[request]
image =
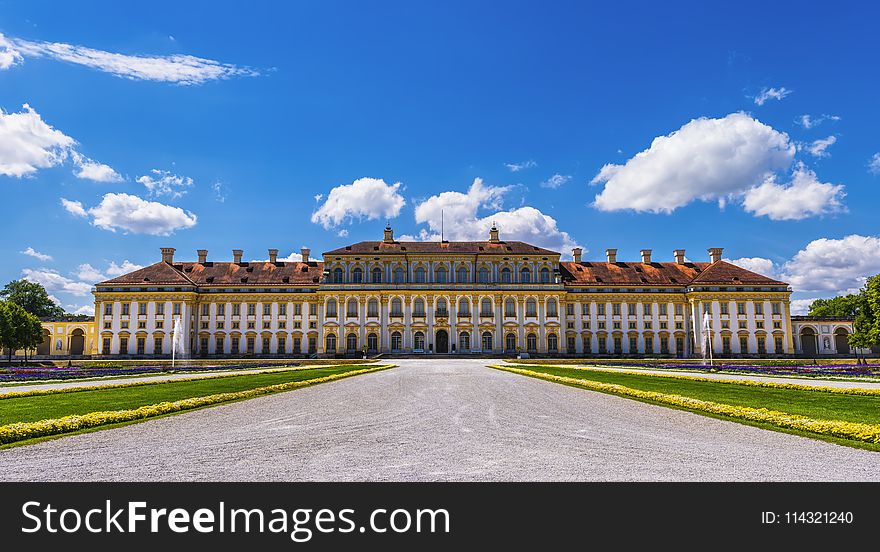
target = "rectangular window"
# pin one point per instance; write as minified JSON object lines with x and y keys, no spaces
{"x":218,"y":346}
{"x":175,"y":309}
{"x":267,"y":325}
{"x":633,"y":345}
{"x":743,"y":325}
{"x":777,"y":308}
{"x":646,"y":309}
{"x":762,"y":346}
{"x":779,"y":347}
{"x":664,"y":325}
{"x":108,"y":325}
{"x":142,"y":309}
{"x":632,"y":325}
{"x":297,"y":309}
{"x":663,"y":309}
{"x":157,"y":345}
{"x":725,"y":344}
{"x":236,"y":325}
{"x":203,"y":345}
{"x":615,"y":325}
{"x":123,"y":345}
{"x":267,"y":347}
{"x":282,"y":325}
{"x":267,"y":310}
{"x":221,"y":309}
{"x":615,"y":309}
{"x":252,"y":309}
{"x":160,"y":309}
{"x":160,"y":324}
{"x":743,"y":345}
{"x":569,"y":309}
{"x":707,"y":308}
{"x":725,"y":324}
{"x":313,"y":309}
{"x":600,"y":309}
{"x":603,"y":347}
{"x":297,"y":345}
{"x":679,"y":325}
{"x":282,"y":309}
{"x":141,"y":345}
{"x":759,"y":309}
{"x":618,"y":345}
{"x":220,"y":325}
{"x":725,"y":307}
{"x":282,"y":345}
{"x":777,"y":325}
{"x":125,"y":307}
{"x":587,"y":325}
{"x":206,"y":310}
{"x":313,"y":345}
{"x":313,"y":325}
{"x":125,"y":324}
{"x":601,"y":324}
{"x":759,"y":324}
{"x":236,"y":309}
{"x":649,"y":325}
{"x":740,"y":308}
{"x":142,"y":325}
{"x":251,"y":325}
{"x":235,"y":348}
{"x":585,"y":309}
{"x":664,"y":345}
{"x":588,"y":345}
{"x":649,"y":345}
{"x":108,"y":309}
{"x":297,"y":325}
{"x":251,"y":344}
{"x":679,"y":310}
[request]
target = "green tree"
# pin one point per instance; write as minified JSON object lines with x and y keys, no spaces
{"x":19,"y":329}
{"x":866,"y":332}
{"x":843,"y":305}
{"x":32,"y":297}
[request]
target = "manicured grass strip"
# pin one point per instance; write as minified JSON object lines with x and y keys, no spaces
{"x":863,"y":391}
{"x":20,"y":431}
{"x":869,"y":433}
{"x":808,"y":402}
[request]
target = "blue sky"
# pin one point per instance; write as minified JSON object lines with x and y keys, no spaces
{"x":311,"y":124}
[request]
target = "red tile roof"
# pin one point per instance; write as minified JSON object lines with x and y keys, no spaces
{"x":222,"y":273}
{"x":722,"y":272}
{"x":455,"y":247}
{"x":665,"y":274}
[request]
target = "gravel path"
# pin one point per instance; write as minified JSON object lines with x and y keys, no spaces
{"x":438,"y":420}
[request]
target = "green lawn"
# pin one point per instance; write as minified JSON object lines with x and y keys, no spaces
{"x":812,"y":404}
{"x":31,"y":409}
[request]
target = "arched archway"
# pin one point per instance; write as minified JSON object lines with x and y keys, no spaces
{"x":510,"y":342}
{"x":330,"y":343}
{"x":841,"y":341}
{"x":809,"y":342}
{"x":45,"y":347}
{"x":442,"y":341}
{"x":77,"y":342}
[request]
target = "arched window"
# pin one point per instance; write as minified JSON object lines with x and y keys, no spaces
{"x":373,"y":308}
{"x":484,"y":275}
{"x":462,"y":276}
{"x":396,"y":307}
{"x":357,"y":275}
{"x":419,"y":341}
{"x":398,"y":275}
{"x":330,"y":343}
{"x":486,"y":307}
{"x":488,"y":343}
{"x":545,"y":275}
{"x":337,"y":275}
{"x":510,"y":342}
{"x":331,"y":308}
{"x":464,"y":341}
{"x":525,"y":275}
{"x":396,"y":342}
{"x":372,"y":343}
{"x":464,"y":307}
{"x":377,"y":275}
{"x":419,"y":307}
{"x":351,"y":343}
{"x":420,"y":275}
{"x":531,"y":307}
{"x":531,"y":343}
{"x":505,"y":275}
{"x":440,"y":275}
{"x":551,"y":308}
{"x":510,"y":307}
{"x":441,"y":307}
{"x":552,"y":343}
{"x":351,"y":309}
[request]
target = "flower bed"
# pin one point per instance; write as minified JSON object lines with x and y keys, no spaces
{"x":11,"y":433}
{"x":835,"y":428}
{"x":25,"y":374}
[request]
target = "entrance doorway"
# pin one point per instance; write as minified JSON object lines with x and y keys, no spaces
{"x":77,"y":342}
{"x":809,"y":342}
{"x":442,"y":341}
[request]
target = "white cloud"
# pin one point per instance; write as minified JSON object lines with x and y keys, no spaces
{"x":165,"y":183}
{"x":808,"y":122}
{"x":874,"y":164}
{"x":28,"y":144}
{"x":90,"y":273}
{"x":758,"y":265}
{"x":127,"y":266}
{"x":516,"y":167}
{"x":9,"y":56}
{"x":31,"y":252}
{"x":801,"y":306}
{"x":462,"y":220}
{"x":221,"y":192}
{"x":75,"y":208}
{"x":369,"y":198}
{"x":555,"y":181}
{"x":819,"y":148}
{"x":805,"y":196}
{"x":88,"y":310}
{"x":771,"y":94}
{"x":706,"y":159}
{"x":177,"y":68}
{"x":342,"y":233}
{"x":838,"y":265}
{"x":292,"y":258}
{"x":90,"y":169}
{"x":55,"y":282}
{"x":318,"y":198}
{"x":130,"y":213}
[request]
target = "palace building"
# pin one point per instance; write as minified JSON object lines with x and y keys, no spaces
{"x":446,"y":297}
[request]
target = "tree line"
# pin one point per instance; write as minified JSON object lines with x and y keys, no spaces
{"x":863,"y":307}
{"x":22,"y":304}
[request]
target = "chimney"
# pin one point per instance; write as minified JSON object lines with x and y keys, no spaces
{"x":679,"y":256}
{"x":304,"y":252}
{"x":493,"y":234}
{"x":715,"y":254}
{"x":389,"y":235}
{"x":612,"y":255}
{"x":646,"y":256}
{"x":273,"y":256}
{"x":203,"y":255}
{"x":576,"y":253}
{"x":168,"y":255}
{"x":236,"y":256}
